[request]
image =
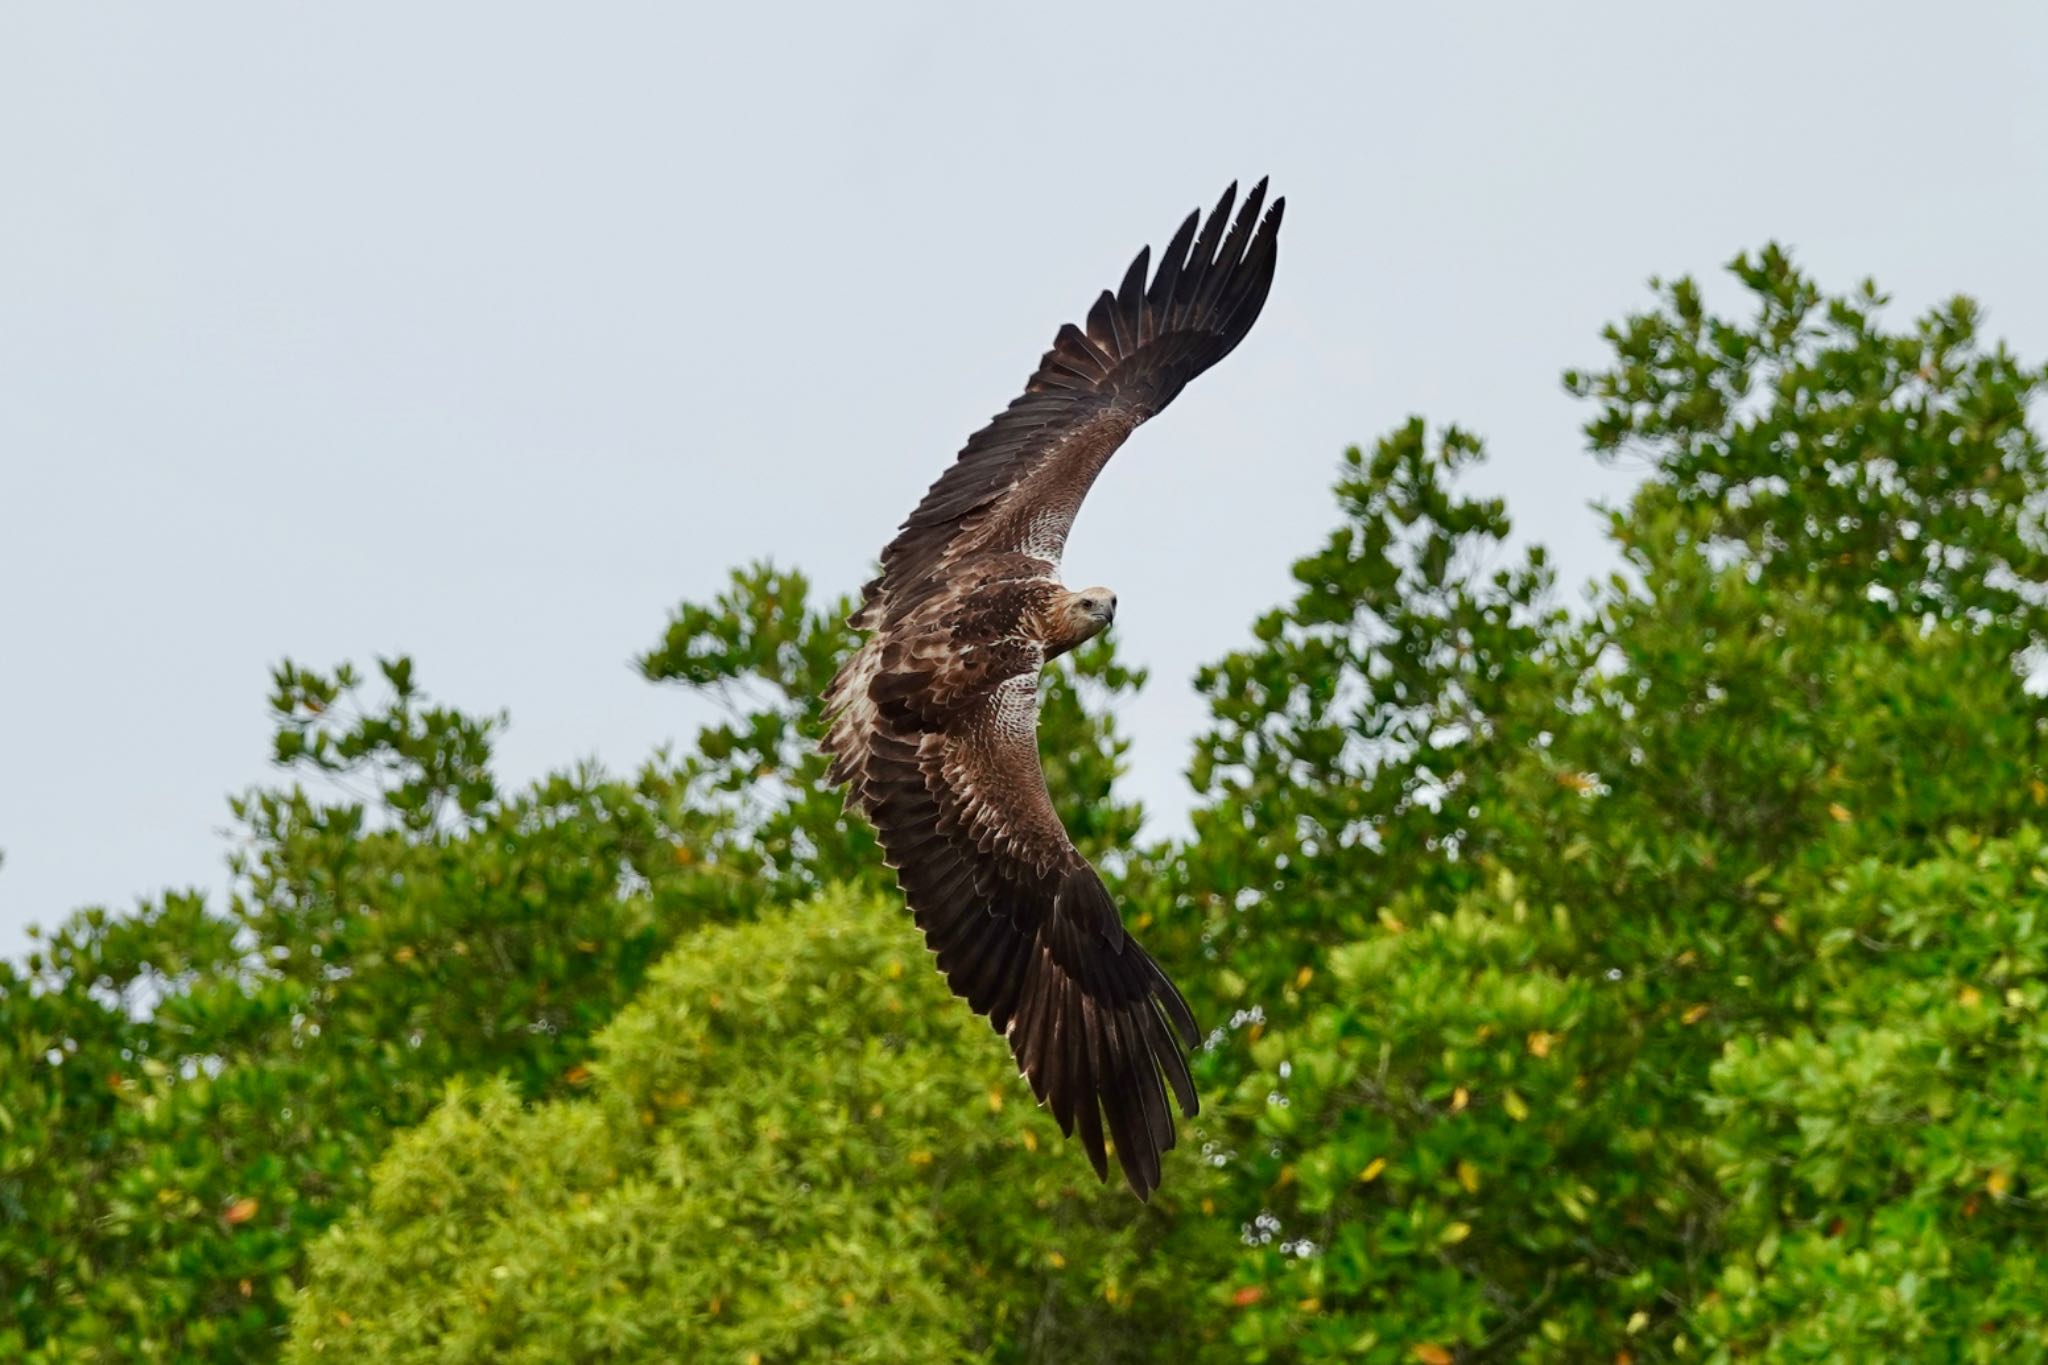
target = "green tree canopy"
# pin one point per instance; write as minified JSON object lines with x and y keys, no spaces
{"x":795,"y":1146}
{"x":1542,"y":886}
{"x":1658,"y":980}
{"x":192,"y":1094}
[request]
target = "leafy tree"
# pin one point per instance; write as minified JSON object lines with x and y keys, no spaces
{"x":793,"y":1148}
{"x":1896,"y":469}
{"x":201,"y":1093}
{"x":1654,"y":982}
{"x":1883,"y":1157}
{"x":192,"y":1095}
{"x":1483,"y":1118}
{"x":1356,"y":742}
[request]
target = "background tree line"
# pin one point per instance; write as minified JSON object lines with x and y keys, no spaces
{"x":1659,"y":980}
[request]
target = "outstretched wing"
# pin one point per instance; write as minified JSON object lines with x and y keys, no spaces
{"x":1019,"y":481}
{"x":1024,"y":928}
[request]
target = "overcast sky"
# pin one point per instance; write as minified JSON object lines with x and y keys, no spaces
{"x":488,"y":332}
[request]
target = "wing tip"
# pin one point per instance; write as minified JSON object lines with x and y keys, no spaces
{"x":1100,"y":1042}
{"x":1203,"y":296}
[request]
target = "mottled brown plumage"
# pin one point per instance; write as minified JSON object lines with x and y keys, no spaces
{"x":933,"y":721}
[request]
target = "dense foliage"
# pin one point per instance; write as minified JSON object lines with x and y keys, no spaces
{"x":188,"y":1097}
{"x":791,"y":1151}
{"x":1662,"y":980}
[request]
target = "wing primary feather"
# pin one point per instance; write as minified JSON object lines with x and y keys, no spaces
{"x":1202,"y":263}
{"x":1242,"y":226}
{"x":1173,"y":1003}
{"x":1079,"y":354}
{"x":1058,"y":1083}
{"x":1088,"y":1087}
{"x":981,"y":973}
{"x":1031,"y":1038}
{"x":1121,"y":1098}
{"x":1175,"y":1063}
{"x":1172,"y":261}
{"x":1101,"y":359}
{"x":1102,"y":324}
{"x":1009,"y":979}
{"x":1257,"y":275}
{"x":1130,"y":304}
{"x":1230,"y":255}
{"x":1027,"y":995}
{"x":1150,"y":1058}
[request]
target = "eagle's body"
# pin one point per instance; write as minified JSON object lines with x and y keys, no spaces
{"x":933,"y":721}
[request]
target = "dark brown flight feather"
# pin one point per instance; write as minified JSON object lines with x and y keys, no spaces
{"x":932,"y":724}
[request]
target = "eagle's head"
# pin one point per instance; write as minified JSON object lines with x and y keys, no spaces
{"x":1097,"y":605}
{"x":1078,"y":618}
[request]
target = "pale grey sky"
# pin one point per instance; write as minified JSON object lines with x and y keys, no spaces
{"x":488,"y":331}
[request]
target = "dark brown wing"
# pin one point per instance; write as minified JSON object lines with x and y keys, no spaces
{"x":1024,"y":928}
{"x":1019,"y":481}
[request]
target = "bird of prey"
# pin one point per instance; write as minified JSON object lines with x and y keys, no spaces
{"x":932,"y":723}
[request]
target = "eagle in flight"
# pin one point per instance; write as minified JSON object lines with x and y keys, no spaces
{"x":932,"y":724}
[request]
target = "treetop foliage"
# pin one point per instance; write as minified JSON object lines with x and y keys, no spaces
{"x":1658,"y":981}
{"x":787,"y":1146}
